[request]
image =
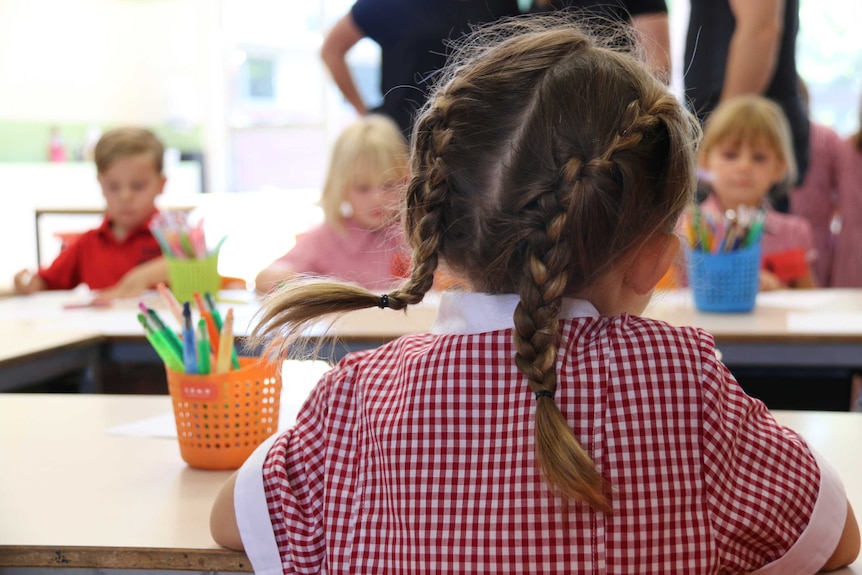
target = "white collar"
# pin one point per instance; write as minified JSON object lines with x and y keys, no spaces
{"x":469,"y":312}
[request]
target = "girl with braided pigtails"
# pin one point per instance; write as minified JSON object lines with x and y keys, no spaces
{"x":542,"y":427}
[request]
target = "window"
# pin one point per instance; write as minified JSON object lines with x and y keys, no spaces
{"x":282,"y":109}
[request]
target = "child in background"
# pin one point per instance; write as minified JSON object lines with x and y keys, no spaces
{"x":121,"y":257}
{"x":847,"y":267}
{"x":542,"y":427}
{"x":746,"y":152}
{"x":817,"y":198}
{"x":359,"y":240}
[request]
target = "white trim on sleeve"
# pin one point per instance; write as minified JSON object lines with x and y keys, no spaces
{"x":821,"y":535}
{"x":252,"y":513}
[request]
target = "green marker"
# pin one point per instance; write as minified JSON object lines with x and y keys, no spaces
{"x":160,"y":328}
{"x":161,"y":346}
{"x":203,"y":348}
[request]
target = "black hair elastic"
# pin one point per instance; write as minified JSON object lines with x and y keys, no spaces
{"x":544,"y":393}
{"x":384,"y":301}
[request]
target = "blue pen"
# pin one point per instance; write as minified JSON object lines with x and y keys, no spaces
{"x":189,"y":349}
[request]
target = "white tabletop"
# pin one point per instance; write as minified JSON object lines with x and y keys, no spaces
{"x":73,"y":494}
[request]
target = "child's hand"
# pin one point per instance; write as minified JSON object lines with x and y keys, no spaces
{"x":119,"y":291}
{"x":135,"y":282}
{"x":27,"y":283}
{"x":769,"y":281}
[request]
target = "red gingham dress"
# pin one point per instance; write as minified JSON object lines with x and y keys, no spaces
{"x":418,"y":458}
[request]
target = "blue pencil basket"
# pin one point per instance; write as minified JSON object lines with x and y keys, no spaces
{"x":725,"y":281}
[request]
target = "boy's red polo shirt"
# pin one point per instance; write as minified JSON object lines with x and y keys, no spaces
{"x":99,"y":260}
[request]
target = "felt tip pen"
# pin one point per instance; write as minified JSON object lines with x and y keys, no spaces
{"x":225,"y":348}
{"x":160,"y":327}
{"x":190,"y":351}
{"x":212,"y":327}
{"x":203,"y":348}
{"x":200,"y":302}
{"x":171,"y":302}
{"x":162,"y":347}
{"x":234,"y":358}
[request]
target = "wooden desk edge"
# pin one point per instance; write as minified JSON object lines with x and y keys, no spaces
{"x":124,"y":558}
{"x":87,"y":343}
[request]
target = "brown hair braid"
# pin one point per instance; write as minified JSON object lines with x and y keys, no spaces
{"x":542,"y":159}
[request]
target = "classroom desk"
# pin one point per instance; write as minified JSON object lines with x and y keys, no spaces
{"x":32,"y":323}
{"x":800,"y":328}
{"x":791,"y":328}
{"x":28,"y":355}
{"x":74,"y":496}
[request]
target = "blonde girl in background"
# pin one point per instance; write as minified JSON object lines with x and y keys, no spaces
{"x":542,"y":426}
{"x":360,"y":240}
{"x":747,"y":153}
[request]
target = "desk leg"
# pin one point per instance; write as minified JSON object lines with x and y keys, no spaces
{"x":856,"y":392}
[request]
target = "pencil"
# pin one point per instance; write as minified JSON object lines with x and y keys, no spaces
{"x":218,"y":322}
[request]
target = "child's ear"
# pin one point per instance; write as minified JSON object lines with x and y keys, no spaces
{"x":162,"y":183}
{"x":651,"y":262}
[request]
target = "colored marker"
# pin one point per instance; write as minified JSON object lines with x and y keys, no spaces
{"x":219,"y":325}
{"x":212,"y":327}
{"x":203,"y":348}
{"x":163,"y":330}
{"x":200,"y":301}
{"x":162,"y":347}
{"x":189,"y":349}
{"x":171,"y":301}
{"x":225,"y":348}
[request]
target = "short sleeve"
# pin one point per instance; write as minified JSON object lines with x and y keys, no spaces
{"x":773,"y":506}
{"x":65,"y":271}
{"x":279,"y":493}
{"x":380,"y":20}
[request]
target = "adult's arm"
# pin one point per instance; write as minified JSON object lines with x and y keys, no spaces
{"x":653,"y":32}
{"x":343,"y":36}
{"x":753,"y":51}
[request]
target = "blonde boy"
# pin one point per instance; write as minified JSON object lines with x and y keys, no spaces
{"x":120,"y":257}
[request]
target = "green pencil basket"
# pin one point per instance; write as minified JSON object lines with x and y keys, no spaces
{"x":188,"y":276}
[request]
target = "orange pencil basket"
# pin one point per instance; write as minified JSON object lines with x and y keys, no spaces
{"x":222,"y":417}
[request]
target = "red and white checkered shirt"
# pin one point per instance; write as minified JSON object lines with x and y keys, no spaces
{"x":418,"y":458}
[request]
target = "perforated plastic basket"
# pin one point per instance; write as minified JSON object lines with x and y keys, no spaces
{"x":726,"y":281}
{"x":191,"y":275}
{"x":221,"y":418}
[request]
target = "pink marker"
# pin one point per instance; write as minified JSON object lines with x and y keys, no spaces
{"x":171,"y":301}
